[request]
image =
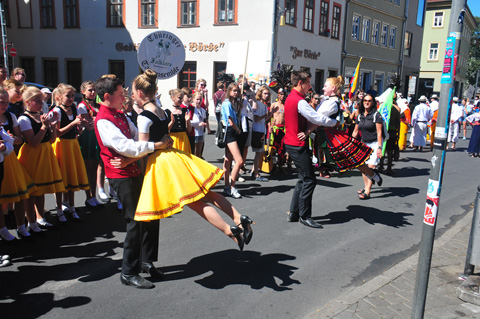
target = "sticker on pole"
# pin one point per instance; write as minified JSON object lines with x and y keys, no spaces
{"x":448,"y":62}
{"x":162,"y":52}
{"x":431,"y":208}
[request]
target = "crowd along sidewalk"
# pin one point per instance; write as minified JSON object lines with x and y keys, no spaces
{"x":390,"y":295}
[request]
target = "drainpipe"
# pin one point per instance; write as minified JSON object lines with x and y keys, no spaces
{"x":402,"y":48}
{"x":274,"y":38}
{"x":344,"y":51}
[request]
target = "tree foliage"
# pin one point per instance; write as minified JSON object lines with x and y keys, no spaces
{"x":225,"y":78}
{"x":474,"y":55}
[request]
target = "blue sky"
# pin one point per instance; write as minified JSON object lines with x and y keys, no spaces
{"x":474,"y":6}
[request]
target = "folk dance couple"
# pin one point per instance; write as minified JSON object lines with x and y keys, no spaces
{"x":300,"y":120}
{"x":172,"y":179}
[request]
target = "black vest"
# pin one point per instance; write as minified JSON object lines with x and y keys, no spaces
{"x":72,"y":134}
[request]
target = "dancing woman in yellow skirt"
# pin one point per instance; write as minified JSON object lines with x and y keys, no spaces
{"x":67,"y":150}
{"x":179,"y":123}
{"x":175,"y":178}
{"x":36,"y":155}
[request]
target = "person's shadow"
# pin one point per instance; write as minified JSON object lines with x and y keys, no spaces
{"x":370,"y":215}
{"x":231,"y":267}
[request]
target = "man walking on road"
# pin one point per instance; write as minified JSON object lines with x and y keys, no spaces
{"x":297,"y":115}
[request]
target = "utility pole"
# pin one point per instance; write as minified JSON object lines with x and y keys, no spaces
{"x":457,"y":17}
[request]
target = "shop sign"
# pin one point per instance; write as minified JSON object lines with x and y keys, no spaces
{"x":305,"y":53}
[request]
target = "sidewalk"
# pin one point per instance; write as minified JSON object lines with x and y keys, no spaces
{"x":390,"y":294}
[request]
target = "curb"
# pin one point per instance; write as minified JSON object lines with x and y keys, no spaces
{"x":355,"y":294}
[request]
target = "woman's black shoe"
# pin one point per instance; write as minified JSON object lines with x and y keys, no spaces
{"x":246,"y":223}
{"x":237,"y":234}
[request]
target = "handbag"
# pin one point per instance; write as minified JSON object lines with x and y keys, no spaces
{"x":257,"y":139}
{"x":220,"y":136}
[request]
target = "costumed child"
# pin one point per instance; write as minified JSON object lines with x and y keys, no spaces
{"x":37,"y":156}
{"x":180,"y":122}
{"x":88,"y":142}
{"x":17,"y":185}
{"x":67,"y":150}
{"x":187,"y":104}
{"x":198,"y":123}
{"x":175,"y":178}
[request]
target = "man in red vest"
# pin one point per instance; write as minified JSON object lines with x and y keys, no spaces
{"x":297,"y":115}
{"x":119,"y":152}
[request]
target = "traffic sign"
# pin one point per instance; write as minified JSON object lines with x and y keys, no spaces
{"x":13,"y":52}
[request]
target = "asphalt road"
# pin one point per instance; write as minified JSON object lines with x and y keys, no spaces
{"x":287,"y":271}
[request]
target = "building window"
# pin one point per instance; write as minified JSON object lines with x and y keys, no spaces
{"x":438,"y":19}
{"x":337,"y":11}
{"x":393,"y":37}
{"x":188,"y":75}
{"x":366,"y":30}
{"x":50,"y":72}
{"x":290,"y":12}
{"x":7,"y":13}
{"x":115,"y":13}
{"x":324,"y":7}
{"x":407,"y":51}
{"x":396,"y":2}
{"x":188,"y":12}
{"x":308,"y":21}
{"x":47,"y":14}
{"x":433,"y":52}
{"x":384,"y":35}
{"x":24,"y":13}
{"x":148,"y":13}
{"x":226,"y":11}
{"x":375,"y":32}
{"x":71,"y":19}
{"x":356,"y":27}
{"x":28,"y":64}
{"x":117,"y":67}
{"x":74,"y":73}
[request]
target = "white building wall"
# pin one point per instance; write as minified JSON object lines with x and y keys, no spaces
{"x":95,"y":44}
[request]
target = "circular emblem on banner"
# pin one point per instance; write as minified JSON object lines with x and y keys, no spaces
{"x":162,"y":52}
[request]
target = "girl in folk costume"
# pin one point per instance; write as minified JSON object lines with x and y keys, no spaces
{"x":37,"y":155}
{"x":187,"y":104}
{"x":347,"y":152}
{"x":88,"y":143}
{"x":198,"y":122}
{"x":174,"y":178}
{"x":67,"y":150}
{"x":180,"y":122}
{"x":16,"y":184}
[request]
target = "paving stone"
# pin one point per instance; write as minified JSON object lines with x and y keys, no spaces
{"x":402,"y":309}
{"x":367,"y":314}
{"x":401,"y":285}
{"x":377,"y":301}
{"x":386,"y":312}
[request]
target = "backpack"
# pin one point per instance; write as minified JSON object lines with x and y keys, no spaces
{"x":220,"y":136}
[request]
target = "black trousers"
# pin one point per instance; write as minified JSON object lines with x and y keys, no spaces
{"x":301,"y":203}
{"x":141,"y":241}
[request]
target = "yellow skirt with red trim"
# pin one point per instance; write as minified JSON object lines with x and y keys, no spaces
{"x":181,"y":141}
{"x":72,"y":166}
{"x":172,"y":180}
{"x":42,"y":166}
{"x":16,"y":183}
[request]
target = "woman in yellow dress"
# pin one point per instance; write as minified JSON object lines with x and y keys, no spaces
{"x":16,"y":185}
{"x":179,"y":123}
{"x":67,"y":149}
{"x":175,"y":178}
{"x":36,"y":155}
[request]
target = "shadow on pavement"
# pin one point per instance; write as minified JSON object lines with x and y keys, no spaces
{"x":232,"y":267}
{"x":370,"y":215}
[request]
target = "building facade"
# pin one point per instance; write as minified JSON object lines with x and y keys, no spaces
{"x":72,"y":41}
{"x":412,"y":46}
{"x":437,"y":20}
{"x":374,"y":32}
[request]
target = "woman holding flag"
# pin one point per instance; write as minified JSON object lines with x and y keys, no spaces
{"x":347,"y":152}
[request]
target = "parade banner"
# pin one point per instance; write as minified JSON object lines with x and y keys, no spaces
{"x":162,"y":52}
